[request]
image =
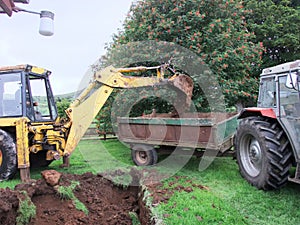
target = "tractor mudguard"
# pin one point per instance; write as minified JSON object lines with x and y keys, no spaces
{"x":255,"y":111}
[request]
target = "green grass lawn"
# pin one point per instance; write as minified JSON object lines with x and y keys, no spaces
{"x":229,"y":199}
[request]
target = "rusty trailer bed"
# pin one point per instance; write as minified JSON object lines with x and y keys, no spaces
{"x":194,"y":130}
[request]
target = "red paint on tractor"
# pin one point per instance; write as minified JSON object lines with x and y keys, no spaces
{"x":266,"y":112}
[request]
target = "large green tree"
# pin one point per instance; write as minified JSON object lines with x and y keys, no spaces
{"x":276,"y":24}
{"x":215,"y":30}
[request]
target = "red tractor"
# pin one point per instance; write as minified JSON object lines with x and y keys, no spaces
{"x":267,"y":141}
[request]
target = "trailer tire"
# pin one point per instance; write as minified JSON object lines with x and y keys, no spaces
{"x":144,"y":155}
{"x":263,"y":153}
{"x":8,"y":156}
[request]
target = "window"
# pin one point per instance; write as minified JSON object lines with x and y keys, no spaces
{"x":289,"y":99}
{"x":41,"y":103}
{"x":267,"y":93}
{"x":10,"y":95}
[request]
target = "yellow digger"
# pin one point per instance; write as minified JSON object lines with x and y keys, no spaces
{"x":32,"y":134}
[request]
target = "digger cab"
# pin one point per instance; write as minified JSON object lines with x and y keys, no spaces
{"x":27,"y":112}
{"x":25,"y":91}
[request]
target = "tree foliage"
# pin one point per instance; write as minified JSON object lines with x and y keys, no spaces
{"x":276,"y":25}
{"x":62,"y":104}
{"x":234,"y":39}
{"x":216,"y":30}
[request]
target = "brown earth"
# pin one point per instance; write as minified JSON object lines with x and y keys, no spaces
{"x":106,"y":202}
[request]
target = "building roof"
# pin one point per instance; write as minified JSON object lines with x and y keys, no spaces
{"x":7,"y":6}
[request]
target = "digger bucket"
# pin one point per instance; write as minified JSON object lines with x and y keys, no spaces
{"x":182,"y":82}
{"x":184,"y":88}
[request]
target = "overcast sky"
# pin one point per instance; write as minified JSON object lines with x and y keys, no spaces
{"x":82,"y":28}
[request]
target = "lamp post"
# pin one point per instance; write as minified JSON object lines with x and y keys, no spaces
{"x":46,"y":21}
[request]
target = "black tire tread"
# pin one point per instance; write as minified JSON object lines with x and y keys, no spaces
{"x":8,"y":168}
{"x":38,"y":159}
{"x":151,"y":154}
{"x":277,"y":149}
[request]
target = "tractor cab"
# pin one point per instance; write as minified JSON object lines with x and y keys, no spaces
{"x":25,"y":91}
{"x":280,"y":91}
{"x":267,"y":139}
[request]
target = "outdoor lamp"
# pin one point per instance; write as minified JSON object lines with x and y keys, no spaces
{"x":46,"y":21}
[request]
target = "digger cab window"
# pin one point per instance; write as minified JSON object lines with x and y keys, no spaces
{"x":40,"y":104}
{"x":10,"y":95}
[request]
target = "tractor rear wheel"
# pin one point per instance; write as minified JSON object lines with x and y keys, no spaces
{"x":263,"y":153}
{"x":144,"y":155}
{"x":8,"y":156}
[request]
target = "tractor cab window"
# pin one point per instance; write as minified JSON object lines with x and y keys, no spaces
{"x":10,"y":95}
{"x":289,"y":101}
{"x":267,"y":93}
{"x":293,"y":80}
{"x":289,"y":97}
{"x":39,"y":100}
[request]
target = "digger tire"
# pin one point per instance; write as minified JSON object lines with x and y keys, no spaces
{"x":8,"y":156}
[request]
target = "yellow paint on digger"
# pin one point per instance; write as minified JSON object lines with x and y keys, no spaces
{"x":0,"y":157}
{"x":111,"y":78}
{"x":22,"y":143}
{"x":57,"y":137}
{"x":20,"y":125}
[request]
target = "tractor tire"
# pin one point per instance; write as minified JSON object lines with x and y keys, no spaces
{"x":144,"y":155}
{"x":263,"y":153}
{"x":8,"y":156}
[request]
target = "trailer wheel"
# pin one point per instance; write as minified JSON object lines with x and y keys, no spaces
{"x":143,"y":155}
{"x":263,"y":153}
{"x":8,"y":156}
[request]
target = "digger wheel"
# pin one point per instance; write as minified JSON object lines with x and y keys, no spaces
{"x":143,"y":155}
{"x":8,"y":156}
{"x":263,"y":153}
{"x":38,"y":159}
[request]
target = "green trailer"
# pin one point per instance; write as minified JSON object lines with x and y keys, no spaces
{"x":162,"y":134}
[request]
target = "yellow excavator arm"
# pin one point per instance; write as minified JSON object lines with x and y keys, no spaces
{"x":41,"y":137}
{"x":85,"y":108}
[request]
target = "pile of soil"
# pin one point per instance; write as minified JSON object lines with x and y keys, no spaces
{"x":106,"y":202}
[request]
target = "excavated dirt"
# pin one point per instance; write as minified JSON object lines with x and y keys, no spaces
{"x":106,"y":202}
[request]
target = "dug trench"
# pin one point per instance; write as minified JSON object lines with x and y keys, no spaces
{"x":95,"y":200}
